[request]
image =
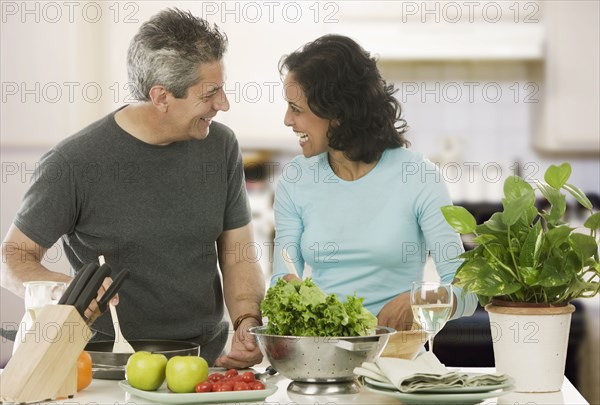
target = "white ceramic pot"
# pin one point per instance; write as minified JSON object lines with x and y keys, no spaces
{"x":530,"y":344}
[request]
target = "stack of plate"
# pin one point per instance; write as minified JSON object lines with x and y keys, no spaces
{"x":457,"y":395}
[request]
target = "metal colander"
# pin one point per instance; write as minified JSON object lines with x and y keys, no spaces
{"x":320,"y":359}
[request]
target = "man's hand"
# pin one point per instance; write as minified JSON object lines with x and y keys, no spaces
{"x":397,"y":313}
{"x":94,"y":304}
{"x":244,"y":289}
{"x":244,"y":350}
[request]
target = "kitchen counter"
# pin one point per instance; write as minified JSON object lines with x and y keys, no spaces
{"x":102,"y":392}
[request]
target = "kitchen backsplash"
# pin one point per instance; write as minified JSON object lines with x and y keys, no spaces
{"x":476,"y":120}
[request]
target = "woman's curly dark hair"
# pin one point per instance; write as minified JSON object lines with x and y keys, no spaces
{"x":342,"y":83}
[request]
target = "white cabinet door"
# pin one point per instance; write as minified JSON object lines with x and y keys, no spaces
{"x":569,"y":119}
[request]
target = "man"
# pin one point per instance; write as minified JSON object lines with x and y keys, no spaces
{"x":156,"y":187}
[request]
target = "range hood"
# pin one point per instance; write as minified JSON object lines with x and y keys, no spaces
{"x":397,"y":41}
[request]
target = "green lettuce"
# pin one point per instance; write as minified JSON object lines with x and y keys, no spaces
{"x":302,"y":309}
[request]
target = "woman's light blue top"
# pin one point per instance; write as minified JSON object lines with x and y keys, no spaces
{"x":370,"y":236}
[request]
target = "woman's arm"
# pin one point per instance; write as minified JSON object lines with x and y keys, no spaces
{"x":288,"y":231}
{"x":441,"y":241}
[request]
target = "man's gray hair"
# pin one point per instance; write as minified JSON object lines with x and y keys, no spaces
{"x":167,"y":51}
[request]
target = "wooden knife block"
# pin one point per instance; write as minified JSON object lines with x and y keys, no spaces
{"x":44,"y":367}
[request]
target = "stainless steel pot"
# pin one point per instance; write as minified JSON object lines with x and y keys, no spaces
{"x":107,"y":365}
{"x":320,"y":359}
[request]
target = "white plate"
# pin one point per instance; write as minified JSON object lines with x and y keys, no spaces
{"x":454,"y":390}
{"x":425,"y":399}
{"x":164,"y":396}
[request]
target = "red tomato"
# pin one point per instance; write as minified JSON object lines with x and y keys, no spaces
{"x":235,"y":378}
{"x":228,"y":386}
{"x":232,"y":372}
{"x":248,"y":376}
{"x":257,"y":385}
{"x":223,"y":388}
{"x":214,"y":377}
{"x":204,"y":387}
{"x":241,"y":386}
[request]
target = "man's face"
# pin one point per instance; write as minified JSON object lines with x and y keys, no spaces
{"x":191,"y":116}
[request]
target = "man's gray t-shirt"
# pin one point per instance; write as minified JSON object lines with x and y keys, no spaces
{"x":155,"y":210}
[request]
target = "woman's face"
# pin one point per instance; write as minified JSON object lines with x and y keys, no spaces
{"x":310,"y":129}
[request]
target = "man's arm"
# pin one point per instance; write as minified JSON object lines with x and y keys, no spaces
{"x":243,"y":289}
{"x":21,"y":261}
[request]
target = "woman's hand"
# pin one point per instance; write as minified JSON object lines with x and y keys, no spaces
{"x":290,"y":277}
{"x":397,"y":313}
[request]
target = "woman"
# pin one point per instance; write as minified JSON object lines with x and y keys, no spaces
{"x":359,"y":208}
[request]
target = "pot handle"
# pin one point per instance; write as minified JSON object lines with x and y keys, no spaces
{"x":356,"y":347}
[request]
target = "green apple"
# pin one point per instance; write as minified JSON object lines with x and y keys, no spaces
{"x":185,"y":372}
{"x":145,"y":370}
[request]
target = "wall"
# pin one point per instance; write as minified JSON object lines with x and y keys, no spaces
{"x":475,"y":118}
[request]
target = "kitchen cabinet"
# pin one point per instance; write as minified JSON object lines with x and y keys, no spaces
{"x":567,"y":112}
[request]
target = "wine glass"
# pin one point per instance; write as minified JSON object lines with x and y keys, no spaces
{"x":41,"y":293}
{"x":37,"y":295}
{"x":431,"y":303}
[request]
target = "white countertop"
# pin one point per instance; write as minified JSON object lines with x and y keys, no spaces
{"x":102,"y":392}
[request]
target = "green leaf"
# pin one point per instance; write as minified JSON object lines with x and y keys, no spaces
{"x":556,"y":199}
{"x":484,"y":238}
{"x":496,"y":251}
{"x":539,"y":244}
{"x":580,"y":288}
{"x":558,"y":210}
{"x":529,"y":275}
{"x":579,"y":196}
{"x":572,"y":262}
{"x":529,"y":215}
{"x":593,"y":222}
{"x":495,"y":223}
{"x":553,"y":274}
{"x":468,"y":254}
{"x":584,"y":245}
{"x":513,"y":209}
{"x":465,"y":277}
{"x":551,"y":194}
{"x":557,"y":176}
{"x":515,"y":187}
{"x":558,"y":235}
{"x":593,"y":264}
{"x":490,"y":282}
{"x":469,"y":270}
{"x":532,"y":246}
{"x":303,"y":309}
{"x":459,"y":218}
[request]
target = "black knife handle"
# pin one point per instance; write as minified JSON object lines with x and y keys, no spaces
{"x":108,"y":294}
{"x":112,"y":289}
{"x":77,"y":284}
{"x":91,"y":289}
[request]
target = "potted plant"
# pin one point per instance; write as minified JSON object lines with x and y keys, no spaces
{"x":525,"y":269}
